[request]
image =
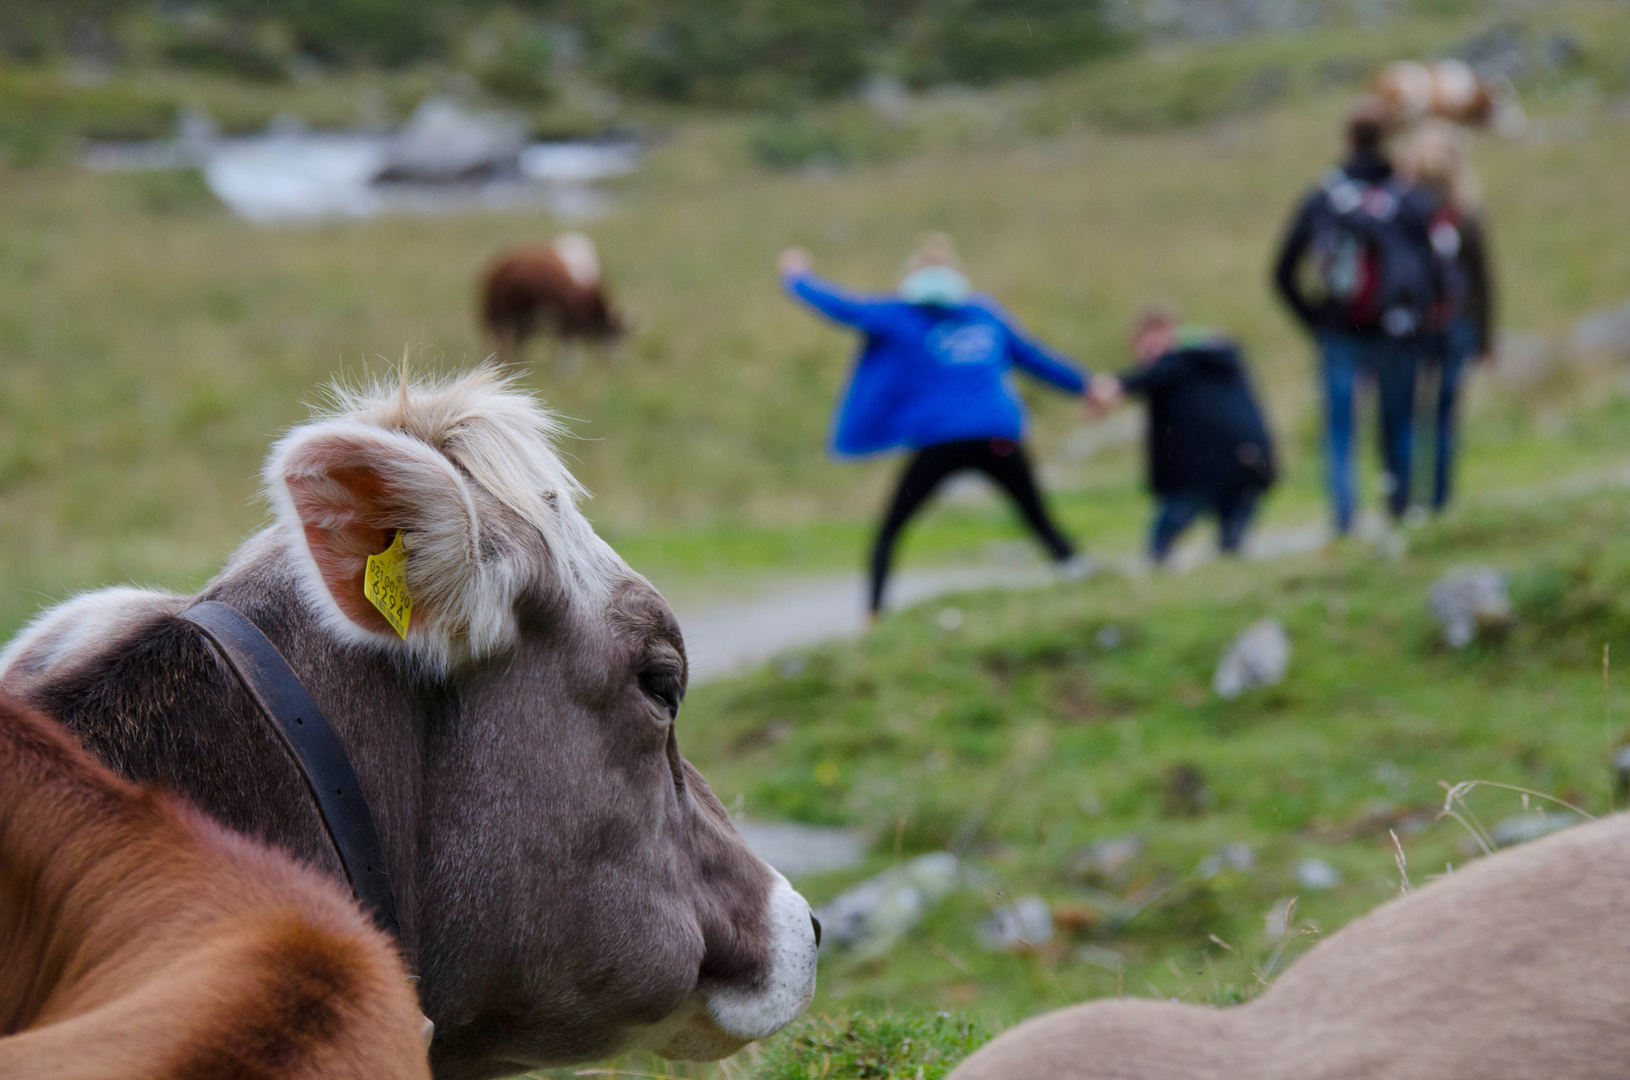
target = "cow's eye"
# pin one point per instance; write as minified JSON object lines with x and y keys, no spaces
{"x":665,"y":687}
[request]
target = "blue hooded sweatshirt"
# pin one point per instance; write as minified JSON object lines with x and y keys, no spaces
{"x":929,"y":374}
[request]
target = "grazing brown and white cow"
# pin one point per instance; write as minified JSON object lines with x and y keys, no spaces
{"x":567,"y":886}
{"x":139,"y":940}
{"x":1410,"y":91}
{"x":1516,"y":967}
{"x":556,"y":289}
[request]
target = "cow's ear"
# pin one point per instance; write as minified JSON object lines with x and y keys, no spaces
{"x":346,"y":490}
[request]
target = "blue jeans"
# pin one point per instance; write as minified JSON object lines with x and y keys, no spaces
{"x":1391,"y":363}
{"x":1450,"y":359}
{"x":1233,"y":507}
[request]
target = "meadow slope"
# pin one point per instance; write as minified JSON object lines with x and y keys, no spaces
{"x":151,"y":346}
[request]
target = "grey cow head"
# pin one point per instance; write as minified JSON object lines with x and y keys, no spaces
{"x":571,"y":887}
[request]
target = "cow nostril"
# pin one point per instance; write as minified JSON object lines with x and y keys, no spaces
{"x":816,"y":923}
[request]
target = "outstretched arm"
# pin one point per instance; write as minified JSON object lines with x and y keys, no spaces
{"x":1040,"y":361}
{"x":863,"y":314}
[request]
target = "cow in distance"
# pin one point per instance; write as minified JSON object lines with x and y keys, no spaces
{"x":557,"y":291}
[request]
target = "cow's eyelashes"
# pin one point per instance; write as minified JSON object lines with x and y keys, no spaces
{"x":665,"y":688}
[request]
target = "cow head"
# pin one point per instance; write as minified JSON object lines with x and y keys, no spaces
{"x":583,"y":889}
{"x":570,"y":886}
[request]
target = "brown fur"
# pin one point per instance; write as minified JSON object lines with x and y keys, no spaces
{"x":141,"y":941}
{"x":1447,"y":89}
{"x":1513,"y":968}
{"x":531,"y":289}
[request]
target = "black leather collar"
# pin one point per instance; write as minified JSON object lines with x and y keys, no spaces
{"x":315,"y":749}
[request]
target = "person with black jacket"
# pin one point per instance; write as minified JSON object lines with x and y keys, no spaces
{"x":1351,"y":342}
{"x":1209,"y":450}
{"x":1434,"y":159}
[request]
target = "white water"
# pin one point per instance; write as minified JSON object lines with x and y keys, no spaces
{"x":297,"y":176}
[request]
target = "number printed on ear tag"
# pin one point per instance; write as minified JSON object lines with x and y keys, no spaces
{"x":384,"y":583}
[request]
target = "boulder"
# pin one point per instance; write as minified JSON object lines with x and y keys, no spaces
{"x":1521,"y":828}
{"x":1604,"y":334}
{"x":1107,"y":858}
{"x":1470,"y":603}
{"x":1184,"y":792}
{"x":1259,"y":656}
{"x":1317,"y":874}
{"x":871,"y":917}
{"x":443,"y":142}
{"x":1023,"y":924}
{"x":1621,"y":771}
{"x":1235,"y":856}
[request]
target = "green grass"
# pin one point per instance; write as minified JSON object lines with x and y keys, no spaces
{"x":1028,"y":732}
{"x":870,"y":1045}
{"x":151,"y":345}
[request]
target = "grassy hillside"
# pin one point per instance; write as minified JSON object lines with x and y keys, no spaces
{"x":1042,"y":723}
{"x":1045,"y":721}
{"x":151,"y":345}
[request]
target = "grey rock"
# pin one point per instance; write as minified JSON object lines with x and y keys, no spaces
{"x":1259,"y":656}
{"x":1107,"y":858}
{"x":1521,"y":828}
{"x":443,"y":142}
{"x":1469,"y":603}
{"x":797,"y":849}
{"x":1621,"y":770}
{"x":871,"y":917}
{"x":888,"y":97}
{"x":1100,"y":957}
{"x":1317,"y":874}
{"x":1235,"y":856}
{"x":1025,"y":923}
{"x":1604,"y":333}
{"x":1184,"y":792}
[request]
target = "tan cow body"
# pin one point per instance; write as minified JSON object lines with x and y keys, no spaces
{"x":1517,"y":967}
{"x":1411,"y":91}
{"x":141,"y":941}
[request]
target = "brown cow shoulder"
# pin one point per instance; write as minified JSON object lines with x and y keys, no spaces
{"x":140,"y":940}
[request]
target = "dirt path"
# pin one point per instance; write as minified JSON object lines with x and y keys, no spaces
{"x":723,"y":638}
{"x":728,"y":636}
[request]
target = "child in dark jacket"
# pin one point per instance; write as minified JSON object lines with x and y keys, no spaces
{"x":1208,"y":446}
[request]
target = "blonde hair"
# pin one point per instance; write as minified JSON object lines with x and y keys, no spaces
{"x":1434,"y":156}
{"x":935,"y":249}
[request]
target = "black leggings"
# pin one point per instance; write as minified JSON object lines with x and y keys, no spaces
{"x":1003,"y":460}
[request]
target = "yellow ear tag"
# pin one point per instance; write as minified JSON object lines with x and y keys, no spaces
{"x":384,"y":583}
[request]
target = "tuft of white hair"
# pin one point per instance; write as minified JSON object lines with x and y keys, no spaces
{"x":472,"y":429}
{"x":497,"y":437}
{"x":580,"y":257}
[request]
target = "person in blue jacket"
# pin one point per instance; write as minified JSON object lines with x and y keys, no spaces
{"x":933,"y":377}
